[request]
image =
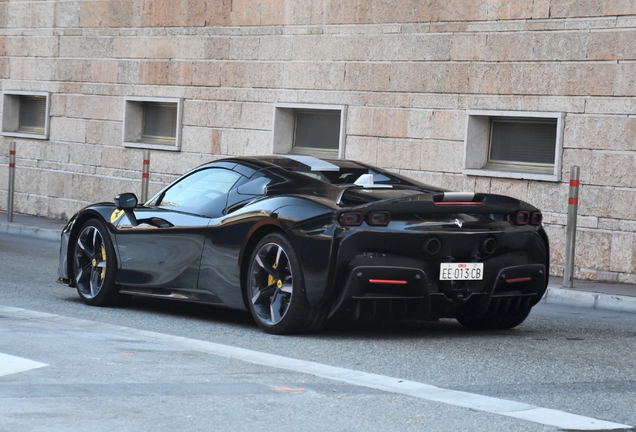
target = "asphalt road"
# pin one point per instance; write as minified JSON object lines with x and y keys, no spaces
{"x":158,"y":365}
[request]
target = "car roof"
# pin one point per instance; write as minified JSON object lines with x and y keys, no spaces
{"x":290,"y":162}
{"x":329,"y":172}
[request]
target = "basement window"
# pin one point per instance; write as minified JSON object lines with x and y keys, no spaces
{"x":514,"y":145}
{"x":313,"y":130}
{"x":25,"y":114}
{"x":153,"y":123}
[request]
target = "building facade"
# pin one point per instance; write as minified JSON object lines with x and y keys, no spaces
{"x":483,"y":95}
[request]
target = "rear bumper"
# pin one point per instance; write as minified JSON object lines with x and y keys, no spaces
{"x":409,"y":292}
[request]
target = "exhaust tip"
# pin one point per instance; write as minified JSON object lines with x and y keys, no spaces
{"x":488,"y":246}
{"x":432,"y":246}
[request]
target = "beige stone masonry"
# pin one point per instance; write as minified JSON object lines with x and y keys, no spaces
{"x":106,"y":13}
{"x":185,"y":13}
{"x":200,"y":140}
{"x":448,"y":125}
{"x":441,"y":156}
{"x":31,"y":14}
{"x":68,"y":129}
{"x":600,"y":132}
{"x":29,"y":46}
{"x":407,"y":73}
{"x":609,"y":105}
{"x":399,"y":154}
{"x":603,"y":167}
{"x":164,"y":47}
{"x":67,"y":14}
{"x":362,"y":149}
{"x":245,"y":142}
{"x":100,"y":47}
{"x":620,"y":7}
{"x":378,"y":122}
{"x":4,"y":68}
{"x":613,"y":45}
{"x":107,"y":133}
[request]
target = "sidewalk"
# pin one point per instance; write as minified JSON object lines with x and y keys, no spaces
{"x":590,"y":294}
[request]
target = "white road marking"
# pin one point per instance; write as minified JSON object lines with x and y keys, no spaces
{"x":10,"y":364}
{"x":427,"y":392}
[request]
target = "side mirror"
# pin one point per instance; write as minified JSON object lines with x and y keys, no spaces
{"x":127,"y":202}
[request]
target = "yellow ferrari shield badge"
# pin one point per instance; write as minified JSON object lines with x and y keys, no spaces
{"x":116,"y":215}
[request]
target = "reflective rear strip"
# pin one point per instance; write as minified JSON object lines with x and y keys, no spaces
{"x":388,"y":281}
{"x":521,"y":279}
{"x":458,"y":203}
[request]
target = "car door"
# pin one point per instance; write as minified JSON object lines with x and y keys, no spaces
{"x":163,"y":248}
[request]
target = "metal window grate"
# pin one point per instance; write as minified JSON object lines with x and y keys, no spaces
{"x":317,"y":132}
{"x":32,"y":114}
{"x":523,"y":141}
{"x":160,"y":122}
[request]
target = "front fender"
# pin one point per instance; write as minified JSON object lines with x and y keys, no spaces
{"x":101,"y":211}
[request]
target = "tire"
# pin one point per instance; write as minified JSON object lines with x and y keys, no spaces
{"x":276,"y":289}
{"x":494,"y":322}
{"x":95,"y":265}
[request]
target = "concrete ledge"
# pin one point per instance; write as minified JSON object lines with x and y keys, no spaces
{"x":586,"y":299}
{"x":30,"y":231}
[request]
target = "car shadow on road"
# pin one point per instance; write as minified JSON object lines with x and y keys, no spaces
{"x":341,"y":329}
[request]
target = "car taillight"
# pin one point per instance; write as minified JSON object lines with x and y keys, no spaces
{"x":351,"y":219}
{"x":379,"y":218}
{"x":536,"y":218}
{"x":523,"y":217}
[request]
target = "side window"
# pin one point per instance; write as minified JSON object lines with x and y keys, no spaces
{"x":202,"y":192}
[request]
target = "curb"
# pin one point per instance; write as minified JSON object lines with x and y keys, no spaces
{"x":585,"y":299}
{"x":30,"y":231}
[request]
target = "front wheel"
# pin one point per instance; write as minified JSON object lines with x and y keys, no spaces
{"x":95,"y":265}
{"x":276,"y":287}
{"x":494,"y":322}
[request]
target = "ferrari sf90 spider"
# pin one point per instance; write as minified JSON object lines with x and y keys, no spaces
{"x":299,"y":241}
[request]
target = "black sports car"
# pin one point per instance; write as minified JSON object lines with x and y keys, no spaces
{"x":298,"y":241}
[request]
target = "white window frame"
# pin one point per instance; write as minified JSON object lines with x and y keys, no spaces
{"x":477,"y":145}
{"x":11,"y":114}
{"x":134,"y":123}
{"x":285,"y":121}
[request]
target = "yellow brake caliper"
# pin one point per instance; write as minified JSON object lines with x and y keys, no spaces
{"x":271,"y":279}
{"x":104,"y":260}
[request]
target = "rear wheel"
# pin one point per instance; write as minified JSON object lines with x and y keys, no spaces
{"x":276,"y":289}
{"x":495,"y":322}
{"x":95,"y":265}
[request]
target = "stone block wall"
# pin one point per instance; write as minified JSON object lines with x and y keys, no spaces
{"x":406,"y":70}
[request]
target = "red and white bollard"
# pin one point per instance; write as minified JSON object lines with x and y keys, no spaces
{"x":11,"y":181}
{"x":570,"y":233}
{"x":145,"y":176}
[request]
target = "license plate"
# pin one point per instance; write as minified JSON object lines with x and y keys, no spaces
{"x":461,"y":271}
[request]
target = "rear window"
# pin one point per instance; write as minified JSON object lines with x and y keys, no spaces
{"x":357,"y":196}
{"x":349,"y":176}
